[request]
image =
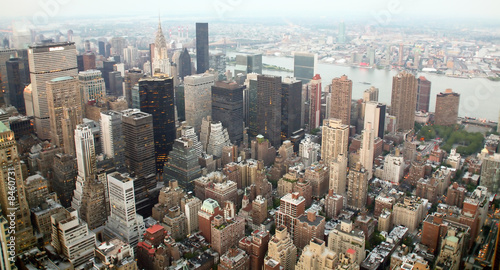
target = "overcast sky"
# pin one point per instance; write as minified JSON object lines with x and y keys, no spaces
{"x":231,"y":9}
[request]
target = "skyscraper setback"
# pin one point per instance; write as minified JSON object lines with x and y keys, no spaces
{"x":404,"y":100}
{"x":202,"y":56}
{"x":340,"y":105}
{"x":48,"y":61}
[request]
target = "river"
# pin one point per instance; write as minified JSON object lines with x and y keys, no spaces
{"x":479,"y":97}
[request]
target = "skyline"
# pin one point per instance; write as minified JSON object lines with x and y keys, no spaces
{"x":382,"y":11}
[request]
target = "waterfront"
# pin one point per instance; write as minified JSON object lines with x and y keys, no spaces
{"x":479,"y":97}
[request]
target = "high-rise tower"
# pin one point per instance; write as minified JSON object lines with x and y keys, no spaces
{"x":334,"y":139}
{"x":12,"y":191}
{"x":304,"y":65}
{"x":157,"y":99}
{"x":198,"y":98}
{"x":423,"y":94}
{"x":340,"y":105}
{"x":48,"y":61}
{"x":315,"y":102}
{"x":112,"y":140}
{"x":202,"y":56}
{"x":446,"y":108}
{"x":269,"y":108}
{"x":404,"y":100}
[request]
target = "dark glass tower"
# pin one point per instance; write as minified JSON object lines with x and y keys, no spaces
{"x":251,"y":117}
{"x":184,"y":64}
{"x":18,"y":74}
{"x":202,"y":47}
{"x":183,"y":164}
{"x":269,"y":108}
{"x":157,"y":98}
{"x":423,"y":94}
{"x":102,"y":48}
{"x":227,"y":107}
{"x":291,"y":100}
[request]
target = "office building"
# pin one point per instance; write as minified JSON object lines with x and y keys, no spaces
{"x":139,"y":152}
{"x":48,"y":61}
{"x":342,"y":36}
{"x":248,"y":63}
{"x":490,"y":172}
{"x":269,"y":108}
{"x":41,"y":218}
{"x":227,"y":108}
{"x":357,"y":187}
{"x":404,"y":100}
{"x":309,"y":150}
{"x":213,"y":137}
{"x":198,"y":98}
{"x":72,"y":238}
{"x":335,"y":138}
{"x":65,"y":111}
{"x":123,"y":222}
{"x":183,"y":164}
{"x":184,"y":65}
{"x":367,"y":149}
{"x":5,"y":55}
{"x":341,"y":94}
{"x":209,"y":209}
{"x":18,"y":77}
{"x":159,"y":58}
{"x":89,"y":197}
{"x":12,"y":175}
{"x":423,"y":94}
{"x":304,"y":65}
{"x":202,"y":55}
{"x":131,"y":78}
{"x":446,"y":108}
{"x":112,"y":139}
{"x":91,"y":85}
{"x":317,"y":256}
{"x":291,"y":100}
{"x":281,"y":248}
{"x":157,"y":99}
{"x":393,"y":167}
{"x":344,"y":237}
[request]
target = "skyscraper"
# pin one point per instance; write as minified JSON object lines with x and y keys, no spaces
{"x":112,"y":139}
{"x":202,"y":56}
{"x":157,"y":98}
{"x":304,"y":65}
{"x":184,"y":65}
{"x":423,"y":94}
{"x":338,"y":175}
{"x":248,"y":63}
{"x":92,"y":85}
{"x":357,"y":187}
{"x":14,"y":205}
{"x":18,"y":74}
{"x":269,"y":108}
{"x":198,"y":98}
{"x":123,"y":222}
{"x":340,"y":105}
{"x":48,"y":61}
{"x":65,"y":111}
{"x":315,"y":102}
{"x":131,"y":78}
{"x":341,"y":38}
{"x":366,"y":150}
{"x":404,"y":100}
{"x":140,"y":152}
{"x":183,"y":164}
{"x":159,"y":57}
{"x":227,"y":107}
{"x":5,"y":55}
{"x":335,"y":138}
{"x":375,"y":114}
{"x":446,"y":108}
{"x":291,"y":100}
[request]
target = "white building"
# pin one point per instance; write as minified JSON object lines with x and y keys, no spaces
{"x":344,"y":237}
{"x":112,"y":140}
{"x":393,"y":168}
{"x":198,"y":98}
{"x":123,"y":222}
{"x":72,"y":238}
{"x":366,"y":150}
{"x":91,"y":85}
{"x":213,"y":137}
{"x":309,"y":151}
